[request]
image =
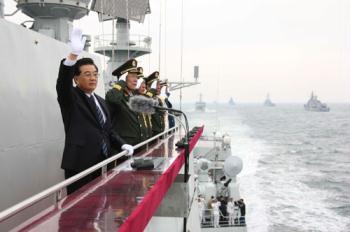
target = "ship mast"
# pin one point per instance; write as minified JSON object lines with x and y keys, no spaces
{"x":121,"y":46}
{"x":175,"y":85}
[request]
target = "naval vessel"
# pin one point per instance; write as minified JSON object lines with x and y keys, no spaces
{"x":165,"y":198}
{"x":313,"y":104}
{"x":268,"y":101}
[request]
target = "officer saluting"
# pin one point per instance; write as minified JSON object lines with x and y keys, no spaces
{"x":125,"y":121}
{"x":153,"y":85}
{"x":145,"y":119}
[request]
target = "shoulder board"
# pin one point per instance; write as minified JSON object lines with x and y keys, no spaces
{"x":116,"y":86}
{"x":149,"y":94}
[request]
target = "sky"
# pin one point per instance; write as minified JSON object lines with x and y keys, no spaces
{"x":246,"y":48}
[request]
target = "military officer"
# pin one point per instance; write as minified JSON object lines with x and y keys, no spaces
{"x":145,"y":119}
{"x":141,"y":90}
{"x":154,"y":87}
{"x":124,"y":120}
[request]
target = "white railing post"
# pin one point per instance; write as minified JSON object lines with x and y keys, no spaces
{"x":58,"y":197}
{"x":104,"y":171}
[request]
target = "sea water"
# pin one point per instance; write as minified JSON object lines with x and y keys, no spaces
{"x":296,"y":174}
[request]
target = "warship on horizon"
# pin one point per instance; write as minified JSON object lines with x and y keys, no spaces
{"x":200,"y":105}
{"x":313,"y":104}
{"x":231,"y":102}
{"x":268,"y":102}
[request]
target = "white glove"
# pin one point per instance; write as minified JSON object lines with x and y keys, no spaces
{"x":139,"y":82}
{"x":154,"y":85}
{"x":123,"y":77}
{"x":77,"y":41}
{"x":129,"y":148}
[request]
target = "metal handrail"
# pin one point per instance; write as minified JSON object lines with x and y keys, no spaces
{"x":135,"y":40}
{"x":57,"y":189}
{"x":85,"y":3}
{"x":226,"y":223}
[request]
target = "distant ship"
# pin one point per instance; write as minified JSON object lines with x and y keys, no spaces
{"x":200,"y":105}
{"x":231,"y":102}
{"x":268,"y":102}
{"x":316,"y":105}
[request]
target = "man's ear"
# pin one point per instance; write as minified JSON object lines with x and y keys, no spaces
{"x":75,"y":80}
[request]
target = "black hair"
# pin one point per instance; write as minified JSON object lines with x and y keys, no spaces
{"x":81,"y":62}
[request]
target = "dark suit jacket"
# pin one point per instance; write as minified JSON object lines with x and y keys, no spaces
{"x":171,"y":119}
{"x":84,"y":134}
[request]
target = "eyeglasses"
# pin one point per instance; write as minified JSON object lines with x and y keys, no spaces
{"x":90,"y":75}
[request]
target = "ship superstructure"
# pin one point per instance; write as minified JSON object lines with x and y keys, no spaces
{"x":217,"y":169}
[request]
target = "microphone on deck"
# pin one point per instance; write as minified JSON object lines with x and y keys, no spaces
{"x":142,"y":104}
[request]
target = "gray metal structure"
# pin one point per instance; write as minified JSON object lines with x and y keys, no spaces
{"x":213,"y":160}
{"x":2,"y":4}
{"x":32,"y":135}
{"x":175,"y":85}
{"x":135,"y":10}
{"x":54,"y":17}
{"x":121,"y":47}
{"x":315,"y":105}
{"x":31,"y":125}
{"x":268,"y":101}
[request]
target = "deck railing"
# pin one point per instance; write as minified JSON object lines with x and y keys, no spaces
{"x":208,"y":220}
{"x":57,"y":189}
{"x":135,"y":40}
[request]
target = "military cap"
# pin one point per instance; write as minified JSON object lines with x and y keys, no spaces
{"x":129,"y":66}
{"x":152,"y":77}
{"x":140,"y":72}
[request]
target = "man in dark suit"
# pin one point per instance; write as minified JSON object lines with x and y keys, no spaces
{"x":171,"y":119}
{"x":89,"y":135}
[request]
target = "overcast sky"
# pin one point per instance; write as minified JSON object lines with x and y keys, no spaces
{"x":246,"y":48}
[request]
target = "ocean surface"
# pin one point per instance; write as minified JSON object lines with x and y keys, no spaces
{"x":296,"y":174}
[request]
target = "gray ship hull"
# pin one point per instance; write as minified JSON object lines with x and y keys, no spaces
{"x":200,"y":106}
{"x":316,"y":109}
{"x":32,"y":133}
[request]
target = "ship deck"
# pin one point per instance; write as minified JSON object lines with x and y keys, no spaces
{"x":123,"y":200}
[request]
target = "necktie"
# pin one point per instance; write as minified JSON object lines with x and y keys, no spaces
{"x":101,"y":121}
